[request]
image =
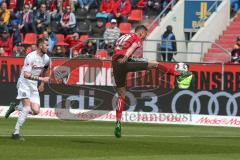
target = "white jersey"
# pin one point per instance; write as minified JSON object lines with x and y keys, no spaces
{"x":34,"y":64}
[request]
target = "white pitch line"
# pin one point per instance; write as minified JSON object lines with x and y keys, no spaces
{"x":36,"y":135}
{"x":156,"y":136}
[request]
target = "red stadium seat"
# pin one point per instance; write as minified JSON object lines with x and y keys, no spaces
{"x":81,"y":38}
{"x":125,"y":27}
{"x":60,"y":37}
{"x":136,"y":15}
{"x":101,"y":54}
{"x":60,"y":40}
{"x":84,"y":37}
{"x":30,"y":38}
{"x":12,"y":4}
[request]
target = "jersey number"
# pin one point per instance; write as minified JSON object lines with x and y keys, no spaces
{"x":123,"y":39}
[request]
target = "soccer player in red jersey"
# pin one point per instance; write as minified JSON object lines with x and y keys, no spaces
{"x":122,"y":63}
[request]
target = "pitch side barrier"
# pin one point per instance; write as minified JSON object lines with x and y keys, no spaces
{"x":89,"y":93}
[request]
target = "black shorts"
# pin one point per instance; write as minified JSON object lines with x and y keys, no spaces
{"x":120,"y":70}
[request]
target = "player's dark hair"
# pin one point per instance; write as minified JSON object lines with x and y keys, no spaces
{"x":40,"y":41}
{"x":43,"y":3}
{"x":141,"y":28}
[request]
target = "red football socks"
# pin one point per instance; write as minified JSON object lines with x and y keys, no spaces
{"x":120,"y":104}
{"x":168,"y":70}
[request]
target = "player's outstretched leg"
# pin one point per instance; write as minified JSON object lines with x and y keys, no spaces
{"x":179,"y":74}
{"x":11,"y":109}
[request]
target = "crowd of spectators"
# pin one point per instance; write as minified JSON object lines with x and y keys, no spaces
{"x":47,"y":18}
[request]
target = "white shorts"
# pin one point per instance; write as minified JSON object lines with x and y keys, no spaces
{"x":27,"y":90}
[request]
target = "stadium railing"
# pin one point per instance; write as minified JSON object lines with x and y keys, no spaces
{"x":180,"y":50}
{"x":191,"y":47}
{"x":161,"y":14}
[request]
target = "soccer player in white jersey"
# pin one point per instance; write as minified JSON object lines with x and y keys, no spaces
{"x":34,"y":70}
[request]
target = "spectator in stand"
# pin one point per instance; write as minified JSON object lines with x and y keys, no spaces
{"x":59,"y":52}
{"x":168,"y":46}
{"x":68,"y":21}
{"x":98,"y":29}
{"x":15,"y":18}
{"x":42,"y":19}
{"x":30,"y":3}
{"x":154,"y":6}
{"x":53,"y":5}
{"x":158,"y":5}
{"x":234,"y":7}
{"x":34,"y":4}
{"x":20,"y":5}
{"x":121,"y":10}
{"x":111,"y":35}
{"x":137,"y":3}
{"x":89,"y":49}
{"x":5,"y":1}
{"x":51,"y":37}
{"x":19,"y":50}
{"x":74,"y":41}
{"x":105,"y":9}
{"x":16,"y":35}
{"x":236,"y":52}
{"x":31,"y":48}
{"x":3,"y":52}
{"x":86,"y":3}
{"x":26,"y":24}
{"x":55,"y":20}
{"x":6,"y":42}
{"x":64,"y":4}
{"x":4,"y":16}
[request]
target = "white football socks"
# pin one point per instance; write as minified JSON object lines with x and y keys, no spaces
{"x":22,"y":118}
{"x":19,"y":106}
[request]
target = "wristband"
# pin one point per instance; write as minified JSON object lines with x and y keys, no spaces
{"x":35,"y":78}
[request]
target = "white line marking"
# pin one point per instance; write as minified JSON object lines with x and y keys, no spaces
{"x":157,"y":136}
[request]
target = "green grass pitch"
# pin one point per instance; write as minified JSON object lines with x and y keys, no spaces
{"x":85,"y":140}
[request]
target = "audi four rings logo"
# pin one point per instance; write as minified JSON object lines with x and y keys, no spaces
{"x":213,"y":103}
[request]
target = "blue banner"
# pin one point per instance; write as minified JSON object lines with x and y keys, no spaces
{"x":196,"y":12}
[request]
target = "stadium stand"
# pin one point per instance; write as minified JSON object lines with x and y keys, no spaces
{"x":85,"y":19}
{"x":226,"y":41}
